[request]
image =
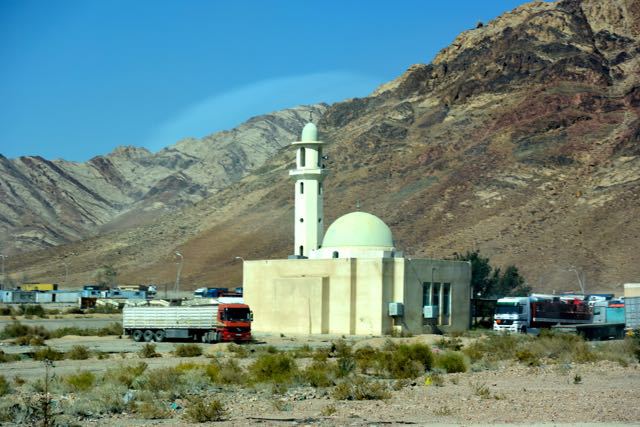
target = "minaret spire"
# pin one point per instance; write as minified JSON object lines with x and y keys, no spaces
{"x":309,"y":174}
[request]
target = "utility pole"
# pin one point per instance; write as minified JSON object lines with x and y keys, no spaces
{"x":178,"y":254}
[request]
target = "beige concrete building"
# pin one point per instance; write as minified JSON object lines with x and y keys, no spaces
{"x":356,"y":281}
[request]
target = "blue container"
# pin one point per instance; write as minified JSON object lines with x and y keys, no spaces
{"x":615,"y":314}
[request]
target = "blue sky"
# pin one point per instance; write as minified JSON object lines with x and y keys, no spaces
{"x":80,"y":77}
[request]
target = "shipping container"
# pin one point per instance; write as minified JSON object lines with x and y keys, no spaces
{"x":632,"y":312}
{"x":38,"y":287}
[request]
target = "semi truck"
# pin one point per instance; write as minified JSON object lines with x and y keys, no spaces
{"x":597,"y":320}
{"x":215,"y":322}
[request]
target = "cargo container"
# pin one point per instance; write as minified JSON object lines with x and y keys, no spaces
{"x":632,"y":312}
{"x":38,"y":287}
{"x":207,"y":323}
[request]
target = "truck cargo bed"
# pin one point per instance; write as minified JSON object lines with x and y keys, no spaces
{"x":194,"y":317}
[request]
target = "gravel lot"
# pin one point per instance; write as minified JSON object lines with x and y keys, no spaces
{"x":606,"y":394}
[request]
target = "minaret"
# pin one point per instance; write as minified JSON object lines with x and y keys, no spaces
{"x":309,"y":173}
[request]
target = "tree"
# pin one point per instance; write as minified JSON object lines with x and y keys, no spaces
{"x":490,"y":282}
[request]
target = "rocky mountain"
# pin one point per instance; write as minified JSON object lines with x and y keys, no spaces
{"x":521,"y":139}
{"x":46,"y":203}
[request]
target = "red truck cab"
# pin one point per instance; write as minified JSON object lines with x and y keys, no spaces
{"x":236,"y":322}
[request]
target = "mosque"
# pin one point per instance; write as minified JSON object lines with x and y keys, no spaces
{"x":350,"y":280}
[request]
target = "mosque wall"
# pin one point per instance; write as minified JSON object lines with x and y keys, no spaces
{"x":350,"y":296}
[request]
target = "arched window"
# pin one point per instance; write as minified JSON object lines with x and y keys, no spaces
{"x":319,"y":156}
{"x":301,"y":249}
{"x":303,"y":154}
{"x":336,"y":254}
{"x":302,"y":188}
{"x":319,"y":188}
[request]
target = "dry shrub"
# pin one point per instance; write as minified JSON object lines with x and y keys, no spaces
{"x":78,"y":352}
{"x":125,"y":374}
{"x":188,"y":350}
{"x":202,"y":411}
{"x":32,"y":340}
{"x":228,"y":372}
{"x":238,"y":350}
{"x":148,"y":351}
{"x":5,"y":387}
{"x":152,"y":410}
{"x":5,"y":357}
{"x":328,"y":410}
{"x":16,"y":329}
{"x":366,"y":359}
{"x":80,"y":381}
{"x":273,"y":368}
{"x":161,"y":379}
{"x":303,"y":352}
{"x":318,"y":374}
{"x":48,"y":353}
{"x":451,"y":362}
{"x":360,"y":388}
{"x":561,"y":347}
{"x":341,"y":348}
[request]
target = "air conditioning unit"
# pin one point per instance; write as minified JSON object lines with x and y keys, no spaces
{"x":430,"y":311}
{"x":396,"y":309}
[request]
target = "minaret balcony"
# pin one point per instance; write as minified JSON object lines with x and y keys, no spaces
{"x":308,"y":173}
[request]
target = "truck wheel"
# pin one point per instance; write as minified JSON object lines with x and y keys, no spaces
{"x":137,"y":335}
{"x":148,"y":335}
{"x":159,"y":336}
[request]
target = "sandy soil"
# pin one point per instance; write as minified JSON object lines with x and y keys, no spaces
{"x":607,"y":393}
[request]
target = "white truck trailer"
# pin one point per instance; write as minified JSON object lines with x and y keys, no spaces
{"x":206,"y":323}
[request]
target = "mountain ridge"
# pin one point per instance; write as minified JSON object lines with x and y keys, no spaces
{"x":520,"y":139}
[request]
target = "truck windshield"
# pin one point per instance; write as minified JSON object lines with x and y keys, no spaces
{"x":235,"y":314}
{"x":509,"y":309}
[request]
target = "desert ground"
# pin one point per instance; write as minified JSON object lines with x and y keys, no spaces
{"x":548,"y":391}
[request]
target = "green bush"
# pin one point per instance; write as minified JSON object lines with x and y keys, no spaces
{"x":341,"y":348}
{"x":303,"y":352}
{"x":125,"y":374}
{"x":147,"y":351}
{"x":318,"y":374}
{"x":78,"y":352}
{"x":32,"y":340}
{"x":230,"y":372}
{"x":202,"y":411}
{"x":48,"y":353}
{"x":32,"y":310}
{"x":188,"y":350}
{"x":366,"y":358}
{"x":16,"y":329}
{"x":239,"y":351}
{"x":360,"y":388}
{"x":152,"y":410}
{"x":4,"y":357}
{"x":406,"y":361}
{"x":273,"y":368}
{"x":81,"y":381}
{"x":345,"y":366}
{"x":5,"y":387}
{"x":161,"y":379}
{"x":451,"y":362}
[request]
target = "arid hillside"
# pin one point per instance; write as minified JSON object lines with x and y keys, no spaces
{"x":521,"y":139}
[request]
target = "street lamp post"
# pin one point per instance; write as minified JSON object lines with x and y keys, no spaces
{"x":178,"y":254}
{"x":580,"y":281}
{"x":3,"y":277}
